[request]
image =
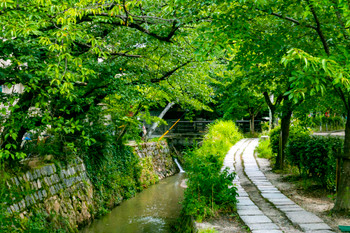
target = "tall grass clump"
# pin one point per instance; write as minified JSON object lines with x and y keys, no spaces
{"x":209,"y":189}
{"x":264,"y":149}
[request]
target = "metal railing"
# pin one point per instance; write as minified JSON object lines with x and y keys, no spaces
{"x":195,"y":127}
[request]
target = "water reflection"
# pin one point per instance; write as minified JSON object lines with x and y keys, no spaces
{"x":152,"y":210}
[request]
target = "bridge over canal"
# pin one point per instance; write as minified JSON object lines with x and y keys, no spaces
{"x":186,"y":132}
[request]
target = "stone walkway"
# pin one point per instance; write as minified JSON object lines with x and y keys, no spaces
{"x":257,"y":216}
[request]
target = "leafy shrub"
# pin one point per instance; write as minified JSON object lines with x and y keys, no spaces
{"x":295,"y":131}
{"x":264,"y":150}
{"x":209,"y":189}
{"x":315,"y":157}
{"x":274,"y":138}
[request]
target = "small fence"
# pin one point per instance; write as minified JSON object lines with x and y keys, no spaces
{"x":195,"y":127}
{"x":200,"y":127}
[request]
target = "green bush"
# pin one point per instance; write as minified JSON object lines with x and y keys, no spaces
{"x":315,"y":157}
{"x":264,"y":150}
{"x":295,"y":131}
{"x":274,"y":139}
{"x":209,"y":189}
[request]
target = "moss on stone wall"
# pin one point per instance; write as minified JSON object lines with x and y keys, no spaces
{"x":58,"y":198}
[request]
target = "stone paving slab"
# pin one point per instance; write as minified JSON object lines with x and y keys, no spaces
{"x":248,"y":212}
{"x":273,"y":195}
{"x":303,"y":217}
{"x":270,"y":191}
{"x":242,"y":194}
{"x":263,"y":226}
{"x":246,"y":207}
{"x":282,"y":201}
{"x":314,"y":226}
{"x":244,"y":202}
{"x":267,"y":231}
{"x":290,"y":208}
{"x":320,"y":231}
{"x":255,"y":219}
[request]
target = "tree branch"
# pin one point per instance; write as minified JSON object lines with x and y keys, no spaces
{"x":268,"y":100}
{"x":291,"y":20}
{"x":169,"y":73}
{"x":318,"y":28}
{"x":126,"y":55}
{"x":161,"y":38}
{"x":164,"y":77}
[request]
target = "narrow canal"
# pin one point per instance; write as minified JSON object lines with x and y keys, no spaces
{"x":152,"y":210}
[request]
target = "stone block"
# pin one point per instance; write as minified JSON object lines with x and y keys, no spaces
{"x":38,"y":182}
{"x":242,"y":201}
{"x":273,"y":195}
{"x":40,"y":196}
{"x":248,"y":212}
{"x":43,"y":171}
{"x":24,"y":177}
{"x":32,"y":199}
{"x":47,"y":181}
{"x":290,"y":208}
{"x":303,"y":217}
{"x":56,"y":178}
{"x":50,"y":169}
{"x":29,"y":176}
{"x":282,"y":201}
{"x":20,"y":205}
{"x":36,"y":197}
{"x":52,"y":179}
{"x":52,"y":190}
{"x":314,"y":226}
{"x":34,"y":175}
{"x":15,"y":206}
{"x":57,"y":187}
{"x":267,"y":231}
{"x":28,"y":200}
{"x":72,"y":170}
{"x":16,"y":181}
{"x":44,"y":193}
{"x":247,"y":207}
{"x":38,"y":174}
{"x":255,"y":219}
{"x":62,"y":174}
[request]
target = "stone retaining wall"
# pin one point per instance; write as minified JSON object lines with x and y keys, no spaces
{"x":163,"y":163}
{"x":67,"y":190}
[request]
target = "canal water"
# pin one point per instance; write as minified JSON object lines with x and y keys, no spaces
{"x":153,"y":210}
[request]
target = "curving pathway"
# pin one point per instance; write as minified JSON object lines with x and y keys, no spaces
{"x":261,"y":206}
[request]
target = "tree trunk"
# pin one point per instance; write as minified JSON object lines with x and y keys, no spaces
{"x":273,"y":118}
{"x":343,"y":196}
{"x":161,"y":115}
{"x":252,"y":129}
{"x":285,"y":124}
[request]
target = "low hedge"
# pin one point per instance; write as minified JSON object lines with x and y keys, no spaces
{"x":315,"y":157}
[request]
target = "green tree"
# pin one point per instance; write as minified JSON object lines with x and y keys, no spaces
{"x":316,"y":34}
